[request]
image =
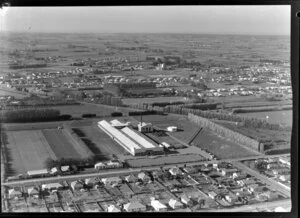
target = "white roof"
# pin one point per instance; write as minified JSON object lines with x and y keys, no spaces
{"x":65,"y":168}
{"x":157,"y":204}
{"x":119,"y":135}
{"x":37,"y":172}
{"x":144,"y":124}
{"x":113,"y":208}
{"x":166,"y":144}
{"x":133,"y":205}
{"x":51,"y":185}
{"x":143,"y":142}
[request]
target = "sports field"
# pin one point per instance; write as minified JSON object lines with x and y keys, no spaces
{"x":28,"y":150}
{"x":61,"y":145}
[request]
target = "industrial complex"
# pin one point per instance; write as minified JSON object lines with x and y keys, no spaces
{"x":131,"y":140}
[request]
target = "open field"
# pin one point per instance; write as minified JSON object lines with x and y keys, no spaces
{"x":28,"y":150}
{"x":277,"y":117}
{"x":220,"y":146}
{"x":102,"y":141}
{"x":129,"y":101}
{"x":160,"y":161}
{"x":186,"y":128}
{"x":60,"y":144}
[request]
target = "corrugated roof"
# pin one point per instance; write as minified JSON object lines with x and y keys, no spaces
{"x":119,"y":135}
{"x":143,"y":142}
{"x":37,"y":172}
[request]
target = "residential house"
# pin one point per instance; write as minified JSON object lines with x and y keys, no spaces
{"x":186,"y":200}
{"x":158,"y":206}
{"x":131,"y":178}
{"x":174,"y":171}
{"x":134,"y":207}
{"x":231,"y":198}
{"x":76,"y":185}
{"x":175,"y":204}
{"x":228,"y":172}
{"x":284,"y":178}
{"x":91,"y":182}
{"x":52,"y":187}
{"x":14,"y":193}
{"x":212,"y":194}
{"x":144,"y":177}
{"x":111,"y":181}
{"x":113,"y":209}
{"x":245,"y":182}
{"x":33,"y":192}
{"x":65,"y":168}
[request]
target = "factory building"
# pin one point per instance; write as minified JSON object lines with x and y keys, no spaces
{"x":132,"y":141}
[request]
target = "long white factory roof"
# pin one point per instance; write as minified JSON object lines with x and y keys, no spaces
{"x":143,"y":142}
{"x":119,"y":135}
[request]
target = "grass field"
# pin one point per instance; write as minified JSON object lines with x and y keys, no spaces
{"x":187,"y":128}
{"x":103,"y":142}
{"x":129,"y":101}
{"x":60,"y":144}
{"x":160,"y":161}
{"x":220,"y":146}
{"x":28,"y":150}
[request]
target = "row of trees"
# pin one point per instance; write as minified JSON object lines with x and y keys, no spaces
{"x":50,"y":163}
{"x":29,"y":115}
{"x":197,"y":110}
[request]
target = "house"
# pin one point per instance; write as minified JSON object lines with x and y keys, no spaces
{"x":186,"y":200}
{"x":111,"y":181}
{"x":134,"y":207}
{"x":144,"y":177}
{"x":174,"y":171}
{"x":99,"y":165}
{"x":76,"y":185}
{"x":52,"y":186}
{"x":131,"y":178}
{"x":190,"y":169}
{"x":33,"y":192}
{"x":252,"y":187}
{"x":158,"y":206}
{"x":245,"y":182}
{"x":14,"y":193}
{"x":231,"y":198}
{"x":34,"y":173}
{"x":113,"y":209}
{"x":284,"y":178}
{"x":91,"y":182}
{"x":65,"y":168}
{"x":285,"y":160}
{"x":228,"y":172}
{"x":53,"y":170}
{"x":212,"y":194}
{"x":175,"y":204}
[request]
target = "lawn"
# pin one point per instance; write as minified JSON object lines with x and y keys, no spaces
{"x":28,"y":150}
{"x":220,"y":146}
{"x":60,"y":144}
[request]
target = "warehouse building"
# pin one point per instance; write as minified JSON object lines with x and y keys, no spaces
{"x":132,"y":141}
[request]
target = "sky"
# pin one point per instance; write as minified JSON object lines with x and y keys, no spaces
{"x":254,"y":20}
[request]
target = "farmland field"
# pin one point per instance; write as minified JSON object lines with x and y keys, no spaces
{"x":220,"y":146}
{"x":60,"y":144}
{"x":28,"y":150}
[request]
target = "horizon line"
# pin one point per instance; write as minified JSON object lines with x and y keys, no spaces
{"x":192,"y":33}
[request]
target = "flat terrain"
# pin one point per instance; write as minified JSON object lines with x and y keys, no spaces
{"x":220,"y":146}
{"x":160,"y":161}
{"x":28,"y":150}
{"x":60,"y":144}
{"x":186,"y":128}
{"x":151,"y":100}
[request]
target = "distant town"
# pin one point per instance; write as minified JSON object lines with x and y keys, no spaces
{"x":145,"y":123}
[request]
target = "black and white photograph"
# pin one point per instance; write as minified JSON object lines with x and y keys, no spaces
{"x":147,"y":109}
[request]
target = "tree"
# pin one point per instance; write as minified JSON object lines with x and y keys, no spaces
{"x":49,"y":163}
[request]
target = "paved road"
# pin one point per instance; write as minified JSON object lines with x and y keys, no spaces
{"x":256,"y":207}
{"x":135,"y":170}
